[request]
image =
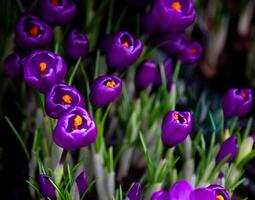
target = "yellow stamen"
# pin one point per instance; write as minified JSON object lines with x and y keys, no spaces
{"x":193,"y":51}
{"x":110,"y":84}
{"x":125,"y":44}
{"x":219,"y":197}
{"x":67,"y":99}
{"x":34,"y":30}
{"x":176,"y":116}
{"x":42,"y":66}
{"x":176,"y":6}
{"x":77,"y":122}
{"x":55,"y":2}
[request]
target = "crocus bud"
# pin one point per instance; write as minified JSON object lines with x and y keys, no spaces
{"x":81,"y":182}
{"x":146,"y":74}
{"x":13,"y":66}
{"x":60,"y":99}
{"x":202,"y":194}
{"x":180,"y":190}
{"x":174,"y":44}
{"x":31,"y":32}
{"x":237,"y":102}
{"x":76,"y":45}
{"x":191,"y":54}
{"x":228,"y":148}
{"x":75,"y":129}
{"x":105,"y":89}
{"x":174,"y":15}
{"x":176,"y":127}
{"x":47,"y":189}
{"x":57,"y":12}
{"x":43,"y":69}
{"x":134,"y":192}
{"x":160,"y":195}
{"x":221,"y":192}
{"x":124,"y":51}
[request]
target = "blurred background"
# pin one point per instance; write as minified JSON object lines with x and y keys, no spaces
{"x":225,"y":28}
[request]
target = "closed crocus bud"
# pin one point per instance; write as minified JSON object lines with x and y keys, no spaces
{"x":228,"y":148}
{"x":202,"y":194}
{"x":81,"y":182}
{"x":31,"y":32}
{"x":76,"y":45}
{"x":221,"y":192}
{"x":105,"y":89}
{"x":13,"y":66}
{"x":176,"y":127}
{"x":168,"y":69}
{"x":180,"y":190}
{"x":191,"y":54}
{"x":124,"y":51}
{"x":237,"y":102}
{"x":43,"y":69}
{"x":60,"y":99}
{"x":75,"y":129}
{"x":47,"y":189}
{"x":174,"y":15}
{"x":134,"y":192}
{"x":174,"y":44}
{"x":57,"y":12}
{"x":146,"y":74}
{"x":160,"y":195}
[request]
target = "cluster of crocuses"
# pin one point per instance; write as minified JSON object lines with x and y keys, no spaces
{"x":45,"y":71}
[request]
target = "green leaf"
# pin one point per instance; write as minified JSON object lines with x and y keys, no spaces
{"x":22,"y":143}
{"x":177,"y":71}
{"x":96,"y":73}
{"x":73,"y":72}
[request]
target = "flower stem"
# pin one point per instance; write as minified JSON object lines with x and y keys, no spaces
{"x":63,"y":157}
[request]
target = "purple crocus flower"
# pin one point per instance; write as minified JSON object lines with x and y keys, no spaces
{"x":43,"y":69}
{"x":202,"y":193}
{"x":124,"y":51}
{"x":176,"y":127}
{"x":174,"y":15}
{"x":228,"y":148}
{"x":180,"y":190}
{"x":57,"y":12}
{"x":174,"y":44}
{"x":191,"y":54}
{"x":105,"y":89}
{"x":221,"y":192}
{"x":60,"y":99}
{"x":76,"y":45}
{"x":237,"y":102}
{"x":146,"y":74}
{"x":31,"y":32}
{"x":160,"y":195}
{"x":82,"y":182}
{"x":134,"y":192}
{"x":13,"y":66}
{"x":75,"y":129}
{"x":46,"y":187}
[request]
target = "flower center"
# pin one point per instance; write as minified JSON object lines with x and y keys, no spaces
{"x":176,"y":6}
{"x":43,"y":66}
{"x":219,"y":197}
{"x":67,"y":99}
{"x":34,"y":30}
{"x":125,"y":44}
{"x":110,"y":84}
{"x":244,"y":94}
{"x":176,"y":116}
{"x":55,"y":2}
{"x":77,"y":122}
{"x":193,"y":51}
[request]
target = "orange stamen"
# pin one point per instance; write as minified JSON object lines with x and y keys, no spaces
{"x":34,"y":30}
{"x":110,"y":84}
{"x":125,"y":44}
{"x":43,"y":66}
{"x":176,"y":116}
{"x":55,"y":2}
{"x":219,"y":197}
{"x":67,"y":99}
{"x":244,"y":94}
{"x":193,"y":51}
{"x":176,"y":6}
{"x":77,"y":122}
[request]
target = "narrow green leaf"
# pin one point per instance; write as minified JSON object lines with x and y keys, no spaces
{"x":73,"y":72}
{"x":177,"y":71}
{"x":96,"y":73}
